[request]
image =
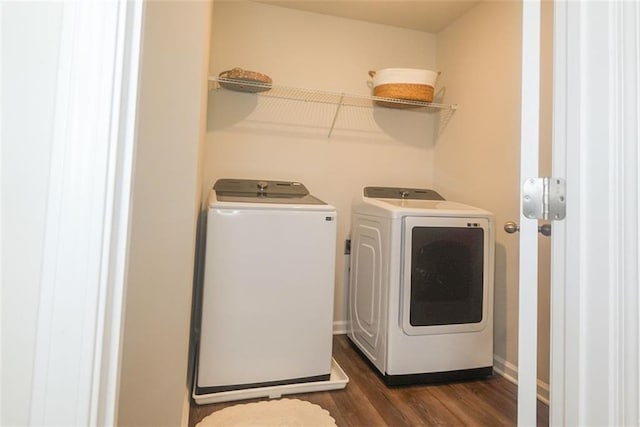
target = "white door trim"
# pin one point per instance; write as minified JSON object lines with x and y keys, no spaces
{"x":528,"y":265}
{"x":595,"y":298}
{"x":80,"y":310}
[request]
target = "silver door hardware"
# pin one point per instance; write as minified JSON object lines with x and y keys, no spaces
{"x":544,"y":198}
{"x":513,"y":227}
{"x":545,"y":229}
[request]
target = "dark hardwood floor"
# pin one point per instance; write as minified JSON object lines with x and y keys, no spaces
{"x":367,"y":401}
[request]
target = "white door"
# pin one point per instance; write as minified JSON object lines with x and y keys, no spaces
{"x":595,"y":375}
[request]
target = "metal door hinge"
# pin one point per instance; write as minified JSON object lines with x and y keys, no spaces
{"x":544,"y":198}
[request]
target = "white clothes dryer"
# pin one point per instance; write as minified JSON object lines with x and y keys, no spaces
{"x":421,"y":286}
{"x":267,"y":297}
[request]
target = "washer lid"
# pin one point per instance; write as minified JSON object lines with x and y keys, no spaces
{"x":263,"y":191}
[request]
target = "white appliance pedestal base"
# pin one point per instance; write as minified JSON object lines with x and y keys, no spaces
{"x":337,"y":380}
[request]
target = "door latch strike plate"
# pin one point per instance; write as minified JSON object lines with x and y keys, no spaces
{"x":544,"y":198}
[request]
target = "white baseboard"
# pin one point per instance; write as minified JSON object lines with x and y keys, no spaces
{"x":340,"y":327}
{"x":509,"y":372}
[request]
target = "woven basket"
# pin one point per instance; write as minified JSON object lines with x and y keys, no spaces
{"x":406,"y":84}
{"x":405,"y":91}
{"x":236,"y":78}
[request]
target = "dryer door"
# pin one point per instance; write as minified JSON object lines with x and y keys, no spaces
{"x":446,"y":283}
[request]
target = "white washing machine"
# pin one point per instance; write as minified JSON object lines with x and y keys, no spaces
{"x":421,"y":286}
{"x":267,"y":297}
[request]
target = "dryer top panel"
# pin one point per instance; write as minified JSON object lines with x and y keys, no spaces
{"x":256,"y":193}
{"x":387,"y":204}
{"x":401,"y":193}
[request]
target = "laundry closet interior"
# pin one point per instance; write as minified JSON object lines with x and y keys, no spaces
{"x":468,"y":150}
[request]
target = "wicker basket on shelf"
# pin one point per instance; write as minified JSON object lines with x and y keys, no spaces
{"x":403,"y":84}
{"x":244,"y":80}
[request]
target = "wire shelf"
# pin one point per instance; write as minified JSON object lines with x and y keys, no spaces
{"x":326,"y":97}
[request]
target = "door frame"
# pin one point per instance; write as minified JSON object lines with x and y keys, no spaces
{"x":594,"y":272}
{"x":595,"y":374}
{"x":80,"y":313}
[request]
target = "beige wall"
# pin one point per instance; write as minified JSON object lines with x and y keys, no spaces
{"x":165,"y":204}
{"x":280,"y":139}
{"x":477,"y":157}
